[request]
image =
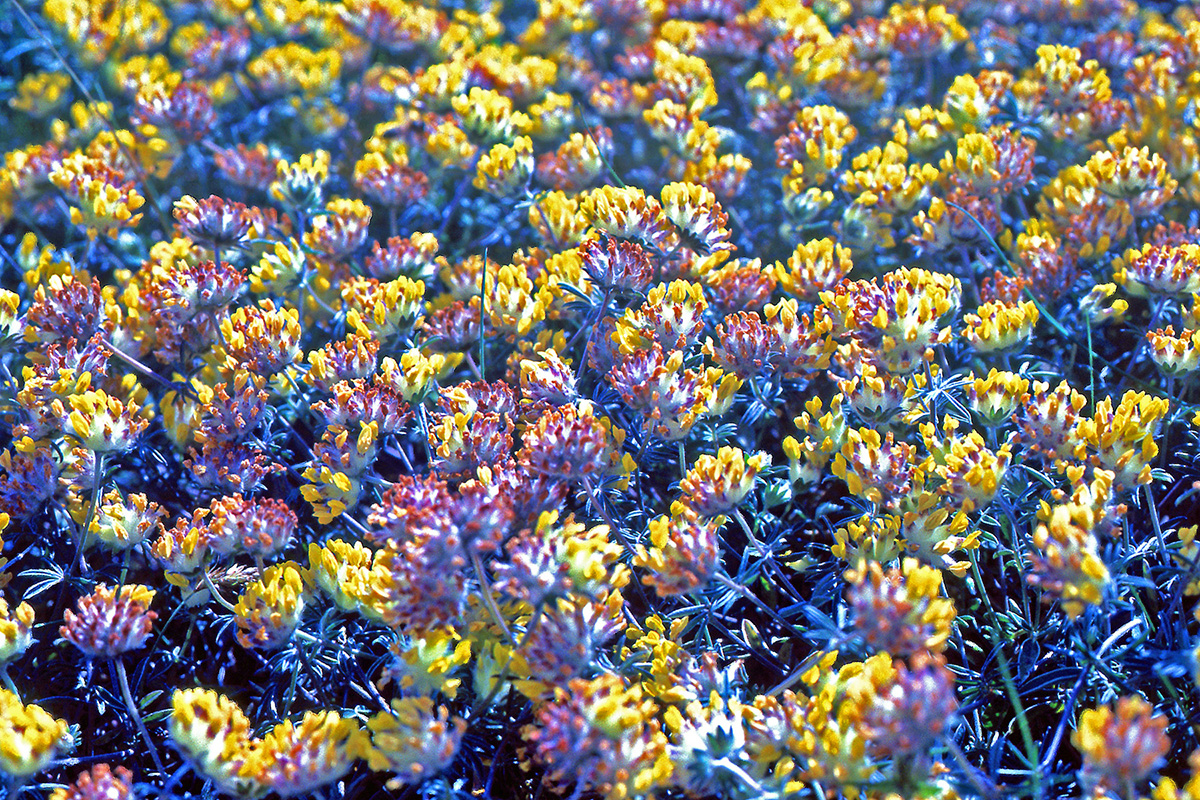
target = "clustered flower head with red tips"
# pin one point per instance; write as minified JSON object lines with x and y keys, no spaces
{"x":109,"y":623}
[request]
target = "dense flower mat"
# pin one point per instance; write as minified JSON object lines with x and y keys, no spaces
{"x":599,"y":398}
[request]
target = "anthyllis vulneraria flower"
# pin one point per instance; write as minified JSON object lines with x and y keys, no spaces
{"x":122,"y":523}
{"x":262,"y":527}
{"x":1122,"y":745}
{"x":293,"y":760}
{"x":995,"y":398}
{"x":299,"y":184}
{"x":669,"y":398}
{"x":683,"y":554}
{"x":426,"y":665}
{"x":627,"y":213}
{"x":972,"y":473}
{"x":212,"y":732}
{"x":718,"y":484}
{"x":413,"y":739}
{"x":824,"y":433}
{"x":900,"y":611}
{"x":1159,"y":270}
{"x":999,"y":326}
{"x":572,"y":443}
{"x":103,"y":423}
{"x":341,"y":229}
{"x":108,"y":624}
{"x":570,"y":635}
{"x":262,"y":340}
{"x":101,"y":782}
{"x":214,"y":222}
{"x":877,"y":469}
{"x":895,"y":319}
{"x":102,"y":200}
{"x":1066,"y":562}
{"x":601,"y":735}
{"x":505,"y":169}
{"x":29,"y":736}
{"x":1136,"y":176}
{"x":698,"y":216}
{"x":269,"y":609}
{"x":814,"y":267}
{"x":912,"y":711}
{"x":557,"y":557}
{"x":1048,"y":419}
{"x":16,"y":630}
{"x":1122,"y":439}
{"x":1175,"y":354}
{"x":344,"y":573}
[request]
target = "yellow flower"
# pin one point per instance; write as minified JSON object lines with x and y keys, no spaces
{"x":104,"y":424}
{"x":295,"y":760}
{"x":298,"y":184}
{"x":382,"y":310}
{"x":212,"y":732}
{"x":423,"y":664}
{"x":1000,"y":326}
{"x":1123,"y":439}
{"x":824,"y":434}
{"x":40,"y":94}
{"x":717,"y":484}
{"x":415,"y":372}
{"x":814,"y":267}
{"x":414,"y":739}
{"x":269,"y":609}
{"x":1066,"y":563}
{"x":292,"y":67}
{"x":488,"y":116}
{"x":683,"y":555}
{"x":901,"y":611}
{"x":102,"y":201}
{"x":505,"y":169}
{"x":28,"y":736}
{"x":1122,"y":745}
{"x":16,"y":630}
{"x":1174,"y":355}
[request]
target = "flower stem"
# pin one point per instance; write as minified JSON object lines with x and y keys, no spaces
{"x":8,"y":681}
{"x":486,"y":591}
{"x":228,"y":606}
{"x":1010,"y":687}
{"x":131,"y":707}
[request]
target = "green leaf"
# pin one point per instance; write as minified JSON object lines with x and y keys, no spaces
{"x":777,"y":493}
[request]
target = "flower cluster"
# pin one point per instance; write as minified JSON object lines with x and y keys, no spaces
{"x":695,"y":398}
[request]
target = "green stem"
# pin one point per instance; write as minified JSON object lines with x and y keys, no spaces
{"x":131,"y":707}
{"x":741,"y":518}
{"x":8,"y":681}
{"x":612,"y":524}
{"x":486,"y":591}
{"x":228,"y":606}
{"x":86,"y":529}
{"x":1010,"y":686}
{"x":1154,"y":520}
{"x":480,"y":707}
